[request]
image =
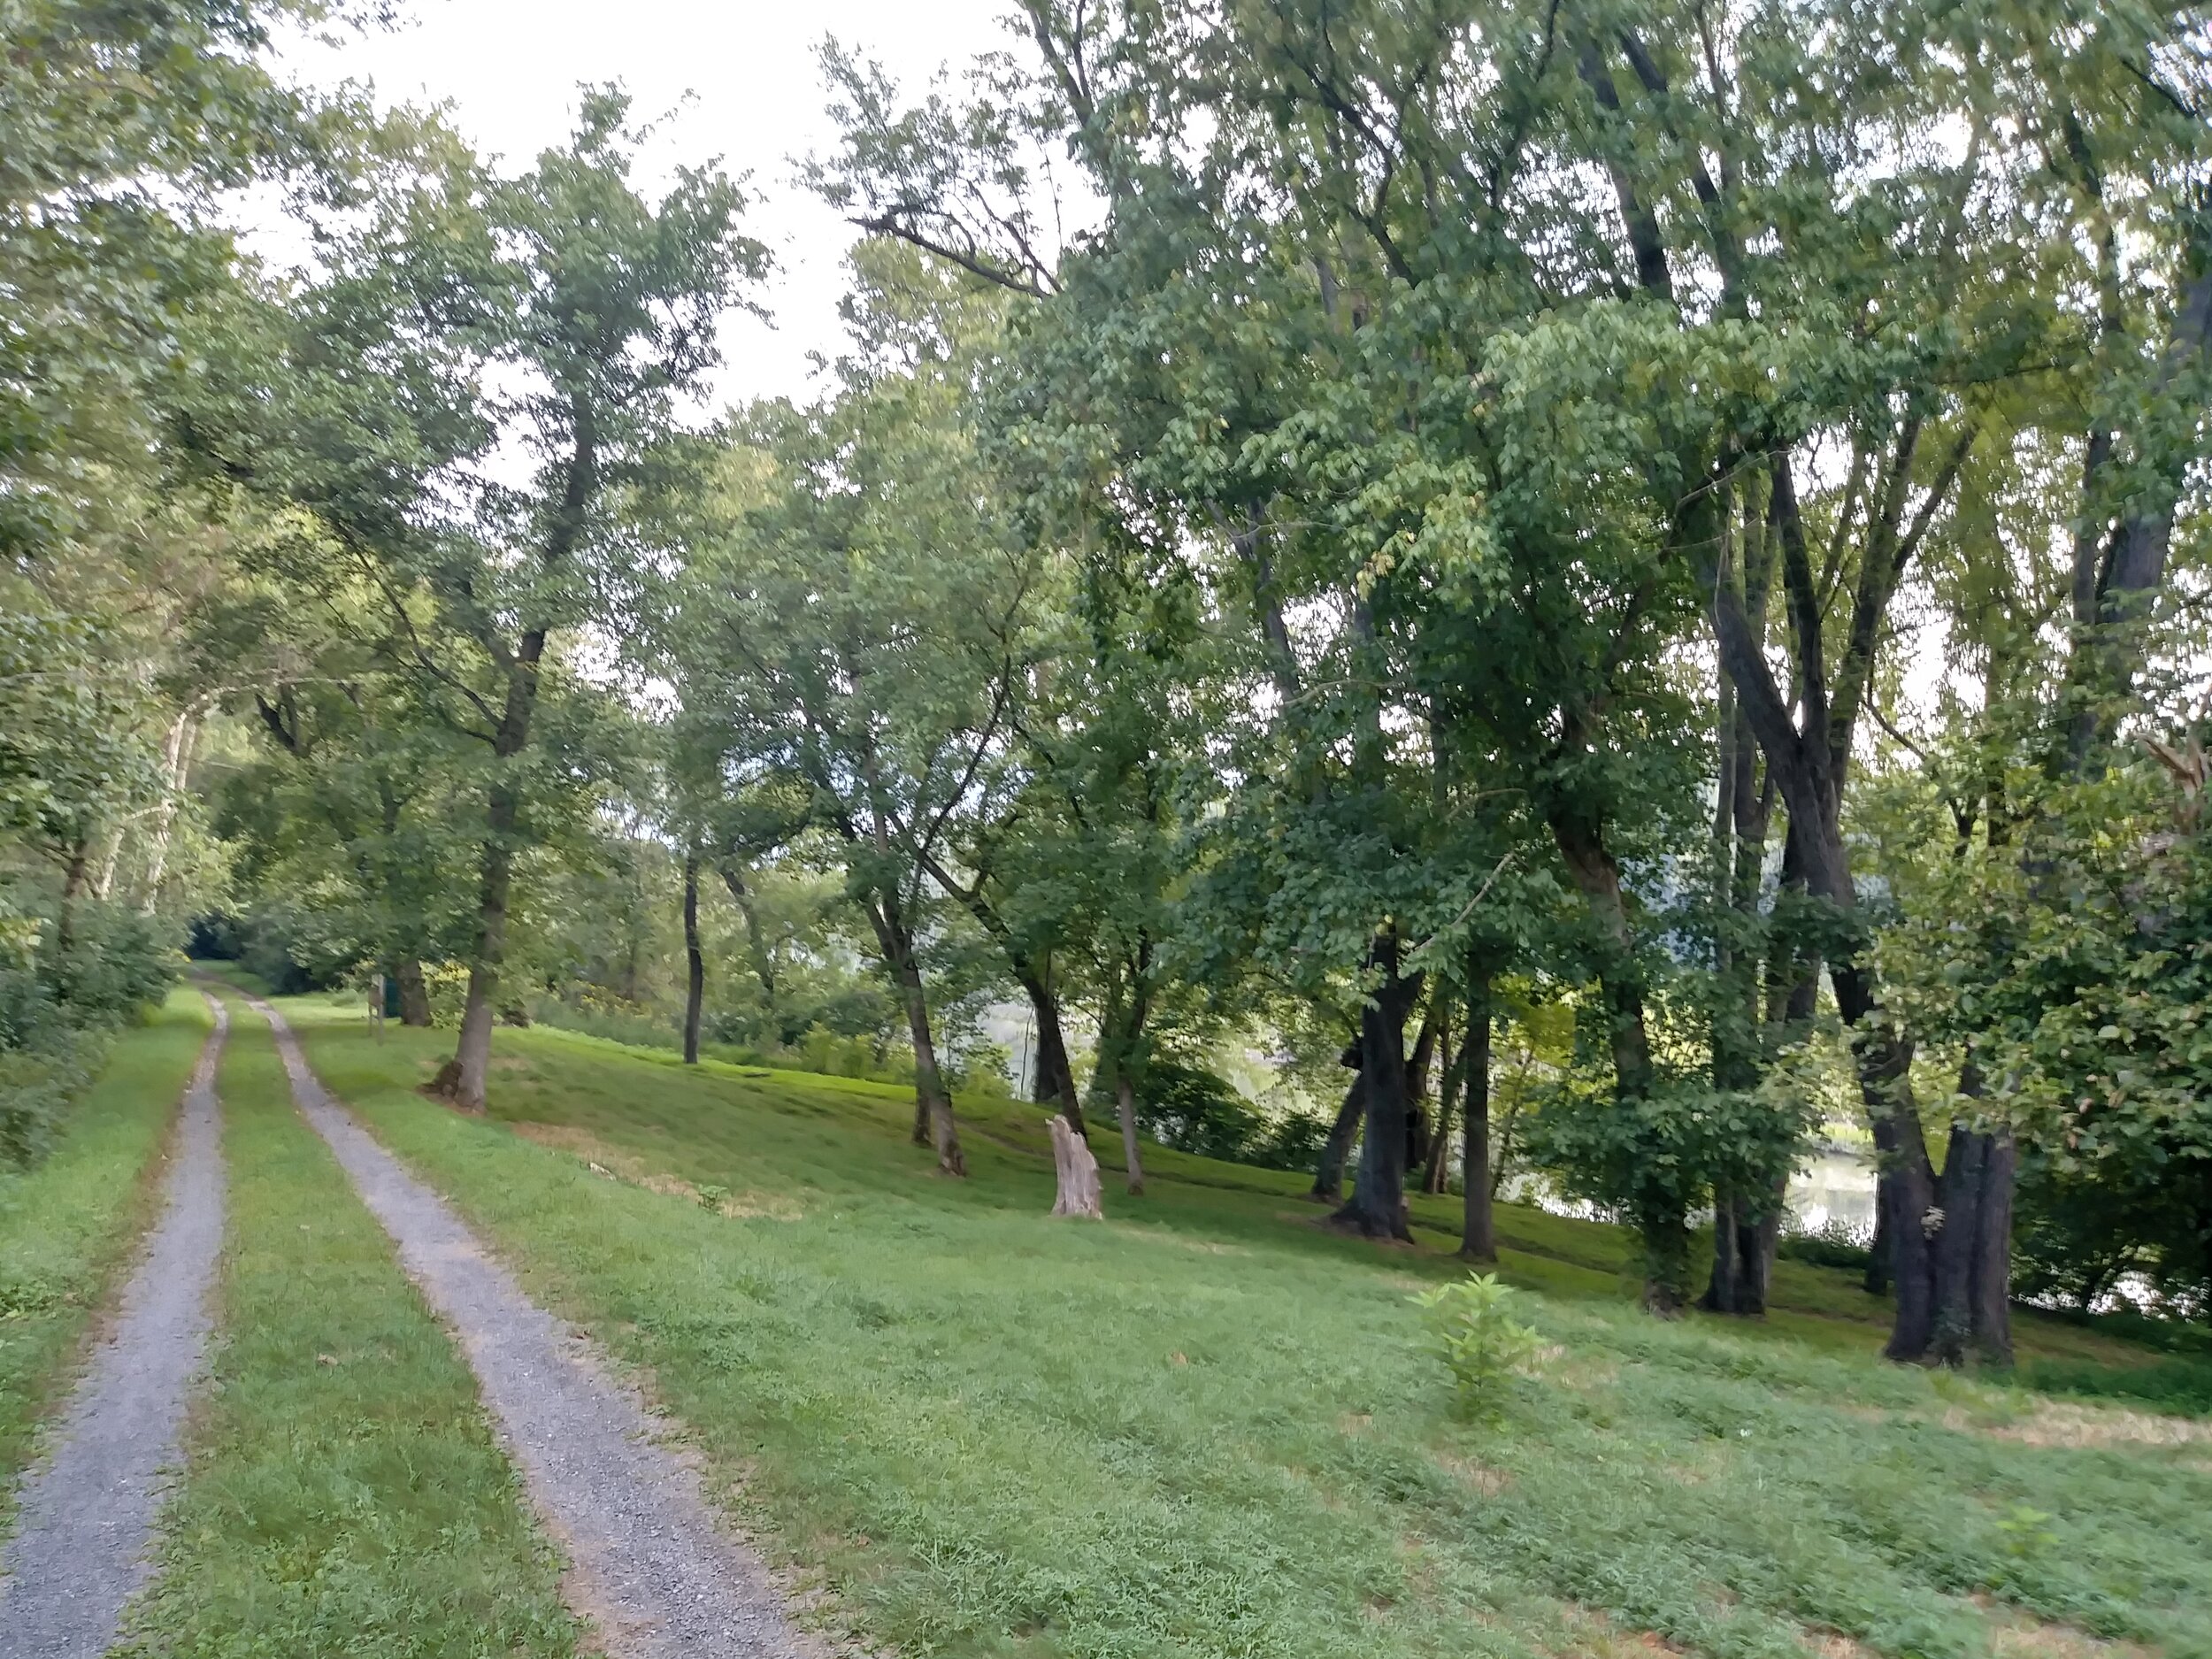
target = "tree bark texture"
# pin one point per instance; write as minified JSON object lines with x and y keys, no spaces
{"x":414,"y":996}
{"x":1076,"y":1190}
{"x":694,"y":963}
{"x":1056,"y":1077}
{"x":1479,"y":1237}
{"x":1377,"y":1209}
{"x":1328,"y":1175}
{"x":1126,"y":1105}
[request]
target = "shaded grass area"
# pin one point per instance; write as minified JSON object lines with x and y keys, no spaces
{"x":70,"y":1225}
{"x":1209,"y":1427}
{"x":342,"y":1492}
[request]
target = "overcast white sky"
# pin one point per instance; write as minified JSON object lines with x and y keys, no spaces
{"x":510,"y":70}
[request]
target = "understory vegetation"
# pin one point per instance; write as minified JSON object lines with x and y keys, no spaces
{"x":1210,"y":1425}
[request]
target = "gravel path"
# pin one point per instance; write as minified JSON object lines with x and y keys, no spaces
{"x":649,"y":1565}
{"x":80,"y":1551}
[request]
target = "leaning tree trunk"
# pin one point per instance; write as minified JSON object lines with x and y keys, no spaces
{"x":414,"y":996}
{"x":1479,"y":1236}
{"x":1056,"y":1077}
{"x":1328,"y":1175}
{"x":1377,"y":1209}
{"x":932,"y":1105}
{"x":694,"y":963}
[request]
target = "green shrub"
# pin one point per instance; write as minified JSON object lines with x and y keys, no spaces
{"x":1834,"y":1243}
{"x":1479,"y":1339}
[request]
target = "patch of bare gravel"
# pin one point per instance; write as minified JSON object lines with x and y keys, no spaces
{"x":82,"y":1544}
{"x":650,"y":1564}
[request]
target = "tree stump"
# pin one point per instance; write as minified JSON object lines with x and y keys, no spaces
{"x":1078,"y":1172}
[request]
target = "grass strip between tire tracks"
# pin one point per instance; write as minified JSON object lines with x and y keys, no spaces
{"x":343,"y":1494}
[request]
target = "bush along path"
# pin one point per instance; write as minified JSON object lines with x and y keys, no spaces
{"x":86,"y":1518}
{"x":648,"y":1565}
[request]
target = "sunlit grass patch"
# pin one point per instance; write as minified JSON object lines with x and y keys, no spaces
{"x":995,"y":1433}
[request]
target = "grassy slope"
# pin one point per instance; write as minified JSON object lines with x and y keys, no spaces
{"x":67,"y":1226}
{"x":1207,"y":1427}
{"x":343,"y":1494}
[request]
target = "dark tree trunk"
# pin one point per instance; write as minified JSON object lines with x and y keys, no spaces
{"x":933,"y":1122}
{"x":1661,"y":1223}
{"x":467,"y":1079}
{"x":1056,"y":1077}
{"x":414,"y":996}
{"x":1746,"y":1235}
{"x":1377,"y":1209}
{"x":1971,"y":1316}
{"x":1416,"y":1090}
{"x":1328,"y":1175}
{"x":933,"y":1104}
{"x":694,"y":963}
{"x":1478,"y":1238}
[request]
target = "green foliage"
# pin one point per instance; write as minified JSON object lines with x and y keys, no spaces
{"x":56,"y":1011}
{"x":2073,"y":966}
{"x":1480,"y":1341}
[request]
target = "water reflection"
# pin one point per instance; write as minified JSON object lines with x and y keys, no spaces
{"x":1836,"y":1188}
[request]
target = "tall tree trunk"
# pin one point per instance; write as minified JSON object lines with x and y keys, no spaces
{"x":694,"y":963}
{"x":72,"y":886}
{"x":1971,"y":1317}
{"x":1478,"y":1238}
{"x":1417,"y":1066}
{"x":414,"y":996}
{"x":1377,"y":1209}
{"x":1056,"y":1077}
{"x":934,"y":1123}
{"x":1661,"y":1223}
{"x":1125,"y":1103}
{"x":465,"y":1079}
{"x":176,"y":765}
{"x":933,"y":1101}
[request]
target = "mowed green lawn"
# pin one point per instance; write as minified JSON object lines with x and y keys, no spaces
{"x":69,"y":1226}
{"x":1207,"y":1427}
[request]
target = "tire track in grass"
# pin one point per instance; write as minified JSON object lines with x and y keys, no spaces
{"x":343,"y":1494}
{"x":649,"y":1565}
{"x":85,"y":1517}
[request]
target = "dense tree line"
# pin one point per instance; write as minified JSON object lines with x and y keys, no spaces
{"x":1610,"y":584}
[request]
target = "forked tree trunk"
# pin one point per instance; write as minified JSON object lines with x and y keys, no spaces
{"x":1479,"y":1237}
{"x":694,"y":963}
{"x":1377,"y":1209}
{"x":414,"y":996}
